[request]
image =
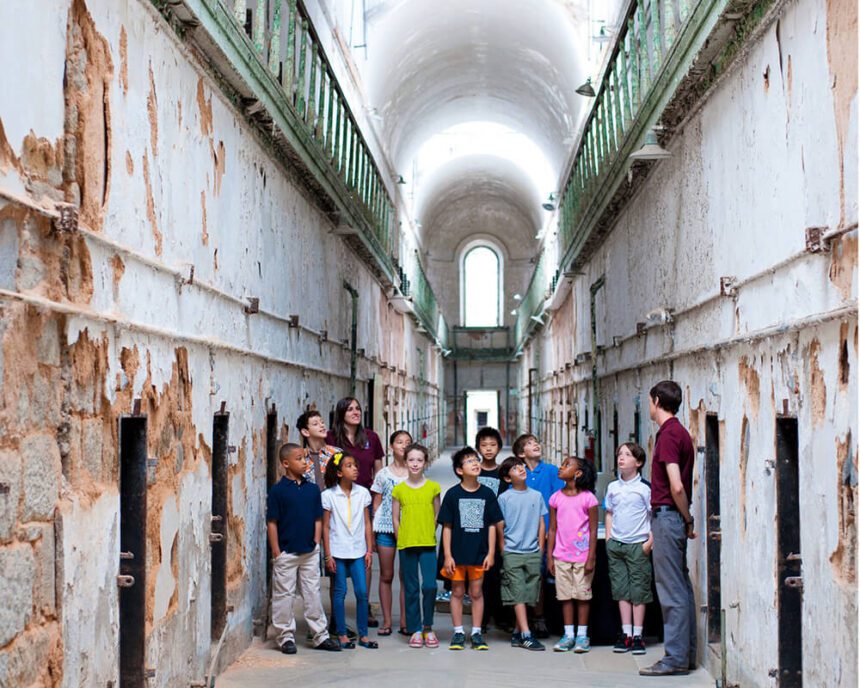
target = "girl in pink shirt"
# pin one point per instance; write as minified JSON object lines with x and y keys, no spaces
{"x":572,"y":542}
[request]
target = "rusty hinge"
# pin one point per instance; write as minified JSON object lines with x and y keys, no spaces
{"x":67,"y":221}
{"x":125,"y":581}
{"x":640,"y":329}
{"x":126,"y":555}
{"x":794,"y":556}
{"x":716,"y":535}
{"x":217,"y":519}
{"x":293,"y":321}
{"x":215,"y":537}
{"x":794,"y":582}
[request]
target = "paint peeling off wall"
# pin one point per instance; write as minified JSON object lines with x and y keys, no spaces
{"x":145,"y":308}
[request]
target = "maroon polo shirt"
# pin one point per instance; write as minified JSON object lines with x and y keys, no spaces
{"x":673,"y":445}
{"x":366,"y":455}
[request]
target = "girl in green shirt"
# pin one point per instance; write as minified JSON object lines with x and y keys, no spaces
{"x":415,"y":505}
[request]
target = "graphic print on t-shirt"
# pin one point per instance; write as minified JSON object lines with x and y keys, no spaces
{"x":472,"y":515}
{"x":490,"y":481}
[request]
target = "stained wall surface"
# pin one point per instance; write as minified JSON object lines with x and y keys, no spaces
{"x":184,"y":214}
{"x":771,"y":152}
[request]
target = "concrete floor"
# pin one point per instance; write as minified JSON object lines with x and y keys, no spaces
{"x":394,"y":663}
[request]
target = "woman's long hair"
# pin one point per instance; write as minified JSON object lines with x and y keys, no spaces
{"x":339,"y":427}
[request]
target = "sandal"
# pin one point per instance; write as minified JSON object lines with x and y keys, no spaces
{"x":348,"y":645}
{"x":385,"y":630}
{"x":417,"y":640}
{"x":403,"y":631}
{"x":369,"y":644}
{"x":430,"y":639}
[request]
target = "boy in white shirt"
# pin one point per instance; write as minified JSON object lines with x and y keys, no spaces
{"x":628,"y":545}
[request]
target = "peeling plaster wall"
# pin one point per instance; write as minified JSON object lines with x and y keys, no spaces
{"x":168,"y":176}
{"x":772,"y":152}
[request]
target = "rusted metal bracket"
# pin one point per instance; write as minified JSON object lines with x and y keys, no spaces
{"x":253,"y":305}
{"x":641,"y":328}
{"x":125,"y":581}
{"x":794,"y":582}
{"x":728,"y":286}
{"x":67,"y":221}
{"x":215,"y":538}
{"x":293,"y":321}
{"x":815,"y":241}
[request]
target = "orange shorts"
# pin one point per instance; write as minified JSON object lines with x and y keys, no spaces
{"x":461,"y":573}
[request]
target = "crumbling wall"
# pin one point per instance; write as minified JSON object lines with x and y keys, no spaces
{"x":772,"y":153}
{"x":183,"y":215}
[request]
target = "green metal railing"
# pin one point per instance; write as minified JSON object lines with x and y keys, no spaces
{"x":532,"y":301}
{"x":645,"y":39}
{"x":414,"y":283}
{"x":287,"y":44}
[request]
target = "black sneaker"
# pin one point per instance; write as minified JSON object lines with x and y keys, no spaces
{"x":516,"y":639}
{"x":532,"y":644}
{"x":477,"y":642}
{"x":458,"y":642}
{"x":329,"y":645}
{"x":623,"y":643}
{"x":288,"y":648}
{"x":638,"y":645}
{"x":539,"y":629}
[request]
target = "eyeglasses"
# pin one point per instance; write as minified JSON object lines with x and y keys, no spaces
{"x":471,"y":460}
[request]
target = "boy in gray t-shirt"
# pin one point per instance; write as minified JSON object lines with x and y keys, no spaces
{"x":522,"y":534}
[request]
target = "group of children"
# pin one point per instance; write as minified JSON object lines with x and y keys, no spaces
{"x":526,"y":521}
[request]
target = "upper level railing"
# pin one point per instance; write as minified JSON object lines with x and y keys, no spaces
{"x":287,"y":43}
{"x":481,"y":342}
{"x":414,"y":284}
{"x":654,"y":61}
{"x":648,"y":34}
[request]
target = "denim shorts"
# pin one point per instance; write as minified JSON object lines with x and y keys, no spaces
{"x":385,"y":540}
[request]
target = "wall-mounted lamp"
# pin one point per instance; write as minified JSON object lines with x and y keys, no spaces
{"x":659,"y":316}
{"x":586,"y":89}
{"x":601,"y":36}
{"x":517,"y":297}
{"x":514,"y":311}
{"x":400,"y":179}
{"x":400,"y":303}
{"x":538,"y":319}
{"x":651,"y":149}
{"x":549,"y":204}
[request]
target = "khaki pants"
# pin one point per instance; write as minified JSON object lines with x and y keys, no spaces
{"x":297,"y":574}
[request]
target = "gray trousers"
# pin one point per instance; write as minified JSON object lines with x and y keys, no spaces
{"x":297,"y":574}
{"x":674,"y":589}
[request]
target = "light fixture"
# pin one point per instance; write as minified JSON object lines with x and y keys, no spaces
{"x":537,"y":319}
{"x":586,"y":89}
{"x":400,"y":303}
{"x":651,"y":149}
{"x":514,"y":312}
{"x":400,"y":179}
{"x":601,"y":36}
{"x":517,"y":297}
{"x":549,"y":204}
{"x":659,"y":316}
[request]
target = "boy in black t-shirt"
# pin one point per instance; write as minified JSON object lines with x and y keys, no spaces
{"x":488,"y":442}
{"x":468,"y":517}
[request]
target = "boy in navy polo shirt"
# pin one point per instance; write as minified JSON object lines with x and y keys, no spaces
{"x":294,"y":526}
{"x":542,"y":477}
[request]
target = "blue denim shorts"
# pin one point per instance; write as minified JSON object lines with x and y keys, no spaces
{"x":385,"y":540}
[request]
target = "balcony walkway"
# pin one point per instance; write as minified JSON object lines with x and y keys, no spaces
{"x":395,"y":664}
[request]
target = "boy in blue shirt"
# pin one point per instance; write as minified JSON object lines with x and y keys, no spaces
{"x":522,"y":536}
{"x":542,"y":477}
{"x":294,"y":527}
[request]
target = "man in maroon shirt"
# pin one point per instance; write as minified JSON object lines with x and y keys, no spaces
{"x":672,"y":526}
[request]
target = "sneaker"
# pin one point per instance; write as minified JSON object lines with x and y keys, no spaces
{"x":539,"y":629}
{"x":329,"y":645}
{"x":516,"y":639}
{"x":289,"y":647}
{"x":638,"y":645}
{"x":458,"y":642}
{"x":531,"y":643}
{"x":565,"y":644}
{"x":477,"y":641}
{"x":583,"y":644}
{"x":623,"y":643}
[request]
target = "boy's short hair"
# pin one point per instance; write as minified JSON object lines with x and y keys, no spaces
{"x":286,"y":448}
{"x":637,"y":451}
{"x":303,"y":420}
{"x":488,"y":433}
{"x":667,"y":395}
{"x":508,"y":465}
{"x":520,"y":443}
{"x":460,"y":457}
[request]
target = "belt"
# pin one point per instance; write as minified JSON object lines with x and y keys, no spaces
{"x":663,"y":507}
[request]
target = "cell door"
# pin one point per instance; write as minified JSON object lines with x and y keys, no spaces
{"x":789,"y":581}
{"x":712,"y":496}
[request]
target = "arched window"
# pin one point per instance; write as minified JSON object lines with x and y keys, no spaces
{"x":481,"y":287}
